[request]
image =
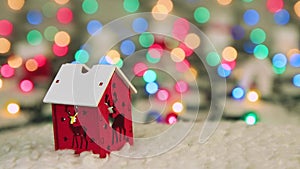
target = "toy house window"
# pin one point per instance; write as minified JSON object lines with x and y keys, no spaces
{"x":101,"y":84}
{"x":57,"y":81}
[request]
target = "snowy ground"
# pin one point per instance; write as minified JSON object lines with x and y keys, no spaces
{"x":233,"y":145}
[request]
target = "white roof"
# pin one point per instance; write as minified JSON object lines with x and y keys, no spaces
{"x":74,"y":86}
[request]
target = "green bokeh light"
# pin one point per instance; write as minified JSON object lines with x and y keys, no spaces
{"x":261,"y":51}
{"x":49,"y":9}
{"x":120,"y":63}
{"x":82,"y":56}
{"x":131,"y":5}
{"x":90,"y":6}
{"x":258,"y":36}
{"x":50,"y":32}
{"x":250,"y":118}
{"x":213,"y":59}
{"x":201,"y":15}
{"x":34,"y":37}
{"x":151,"y":59}
{"x":247,"y":1}
{"x":146,"y":39}
{"x":279,"y":71}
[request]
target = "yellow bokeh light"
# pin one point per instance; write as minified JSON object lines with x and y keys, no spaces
{"x":16,"y":4}
{"x":291,"y":52}
{"x":177,"y":55}
{"x":229,"y":54}
{"x":4,"y":45}
{"x":31,"y":65}
{"x":114,"y":56}
{"x":62,"y":38}
{"x":224,"y":2}
{"x":297,"y":8}
{"x":14,"y":61}
{"x":252,"y":96}
{"x":13,"y":108}
{"x":177,"y":107}
{"x":1,"y":83}
{"x":167,"y":3}
{"x":192,"y":40}
{"x":61,"y":2}
{"x":159,"y":12}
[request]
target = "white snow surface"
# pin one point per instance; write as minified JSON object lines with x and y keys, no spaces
{"x":233,"y":145}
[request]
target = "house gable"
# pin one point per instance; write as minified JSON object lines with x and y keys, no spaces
{"x":76,"y":84}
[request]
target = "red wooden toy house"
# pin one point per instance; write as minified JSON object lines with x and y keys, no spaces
{"x":91,"y":108}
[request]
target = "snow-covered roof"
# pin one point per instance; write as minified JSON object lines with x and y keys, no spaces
{"x":76,"y":84}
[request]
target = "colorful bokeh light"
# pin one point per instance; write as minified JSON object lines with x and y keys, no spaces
{"x":163,"y":95}
{"x":131,"y":5}
{"x":258,"y":36}
{"x":251,"y":17}
{"x":274,"y":5}
{"x":238,"y":93}
{"x":295,"y":60}
{"x":180,"y":29}
{"x":224,"y":2}
{"x":50,"y":32}
{"x":16,"y":4}
{"x":34,"y":17}
{"x":177,"y":55}
{"x":26,"y":86}
{"x":177,"y":107}
{"x":4,"y":45}
{"x":252,"y":96}
{"x":14,"y":61}
{"x":238,"y":32}
{"x":296,"y":80}
{"x":213,"y":59}
{"x":229,"y":54}
{"x":279,"y":60}
{"x":140,"y":25}
{"x":90,"y":6}
{"x":151,"y":88}
{"x":149,"y":76}
{"x":127,"y":47}
{"x":82,"y":56}
{"x":297,"y":8}
{"x":146,"y":39}
{"x":13,"y":108}
{"x":201,"y":15}
{"x":224,"y":70}
{"x":6,"y":27}
{"x":34,"y":37}
{"x":64,"y":15}
{"x":261,"y":51}
{"x":62,"y":39}
{"x":7,"y":71}
{"x":93,"y":26}
{"x":31,"y":65}
{"x":181,"y":86}
{"x":171,"y":118}
{"x":282,"y":17}
{"x":60,"y":51}
{"x":192,"y":41}
{"x":139,"y":69}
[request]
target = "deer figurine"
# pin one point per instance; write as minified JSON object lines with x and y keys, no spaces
{"x":77,"y":130}
{"x":118,"y":121}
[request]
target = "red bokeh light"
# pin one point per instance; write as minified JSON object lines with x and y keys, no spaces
{"x":26,"y":86}
{"x":6,"y":27}
{"x":275,"y":5}
{"x":60,"y":51}
{"x":64,"y":15}
{"x":7,"y":71}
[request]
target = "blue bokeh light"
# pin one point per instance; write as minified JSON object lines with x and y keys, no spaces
{"x":238,"y":32}
{"x":127,"y":47}
{"x":140,"y":25}
{"x":238,"y":93}
{"x":149,"y":76}
{"x":93,"y":26}
{"x":296,"y":80}
{"x":279,"y":60}
{"x":34,"y":17}
{"x":295,"y":60}
{"x":282,"y":17}
{"x":224,"y":70}
{"x":103,"y":61}
{"x":151,"y":88}
{"x":249,"y":47}
{"x":251,"y":17}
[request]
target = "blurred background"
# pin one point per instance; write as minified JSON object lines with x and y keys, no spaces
{"x":256,"y":50}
